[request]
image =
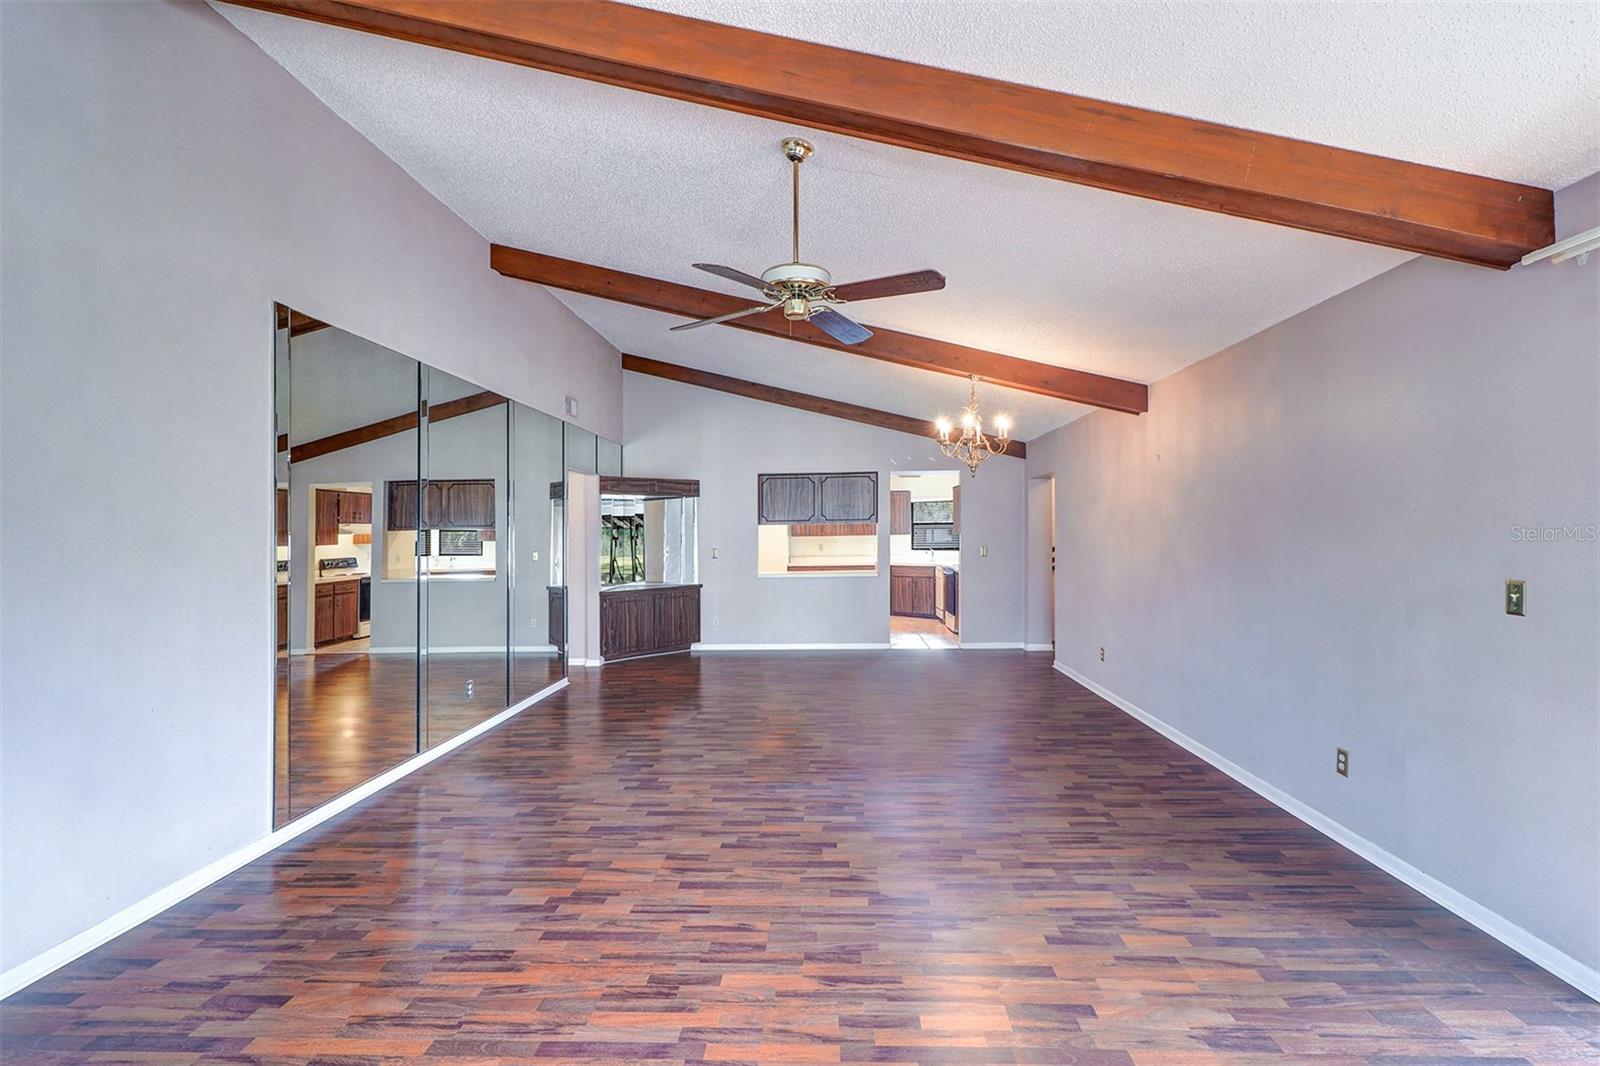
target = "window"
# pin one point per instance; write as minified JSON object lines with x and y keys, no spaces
{"x":933,"y":526}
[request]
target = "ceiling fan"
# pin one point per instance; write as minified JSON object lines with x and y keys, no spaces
{"x":805,"y":291}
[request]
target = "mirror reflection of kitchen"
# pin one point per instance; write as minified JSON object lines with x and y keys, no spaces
{"x":647,"y":541}
{"x":342,"y":556}
{"x":924,"y":560}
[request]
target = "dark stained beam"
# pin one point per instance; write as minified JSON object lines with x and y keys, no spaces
{"x":1179,"y":160}
{"x":917,"y":427}
{"x":388,"y":427}
{"x":888,"y":345}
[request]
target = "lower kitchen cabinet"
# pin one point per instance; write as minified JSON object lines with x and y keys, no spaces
{"x":950,"y":585}
{"x":911,"y":591}
{"x":648,"y":620}
{"x":337,"y":611}
{"x":283,"y":616}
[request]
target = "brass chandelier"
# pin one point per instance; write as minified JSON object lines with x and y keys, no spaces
{"x":971,"y":448}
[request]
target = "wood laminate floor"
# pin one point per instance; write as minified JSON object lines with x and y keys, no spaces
{"x":346,"y":717}
{"x":869,"y":857}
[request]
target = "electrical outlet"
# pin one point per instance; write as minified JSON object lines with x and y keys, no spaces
{"x":983,"y":551}
{"x":713,"y":553}
{"x":469,"y":689}
{"x":1516,"y":597}
{"x":1102,"y":655}
{"x":1341,"y":762}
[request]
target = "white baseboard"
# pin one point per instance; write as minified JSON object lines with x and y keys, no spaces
{"x":46,"y":962}
{"x":1038,"y":647}
{"x":1584,"y":978}
{"x":789,"y":647}
{"x":998,"y":645}
{"x":585,"y":662}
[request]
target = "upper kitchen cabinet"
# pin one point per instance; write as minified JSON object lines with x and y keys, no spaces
{"x":355,"y":508}
{"x":786,"y":498}
{"x":402,"y":511}
{"x":452,"y":504}
{"x":789,"y":499}
{"x":327,"y":527}
{"x":900,"y":512}
{"x":848,"y":497}
{"x":466,"y":504}
{"x":336,"y":507}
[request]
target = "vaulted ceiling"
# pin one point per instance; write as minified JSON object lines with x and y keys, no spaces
{"x":1047,"y":271}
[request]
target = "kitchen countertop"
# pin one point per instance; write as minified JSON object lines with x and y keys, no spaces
{"x":341,"y":575}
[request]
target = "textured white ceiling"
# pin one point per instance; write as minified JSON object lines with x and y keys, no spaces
{"x":1037,"y":268}
{"x":1510,"y":90}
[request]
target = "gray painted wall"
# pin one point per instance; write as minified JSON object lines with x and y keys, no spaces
{"x":677,"y":430}
{"x":163,"y":183}
{"x":1304,"y":546}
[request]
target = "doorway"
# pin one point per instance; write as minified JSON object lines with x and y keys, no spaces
{"x":925,"y":560}
{"x":1041,"y":587}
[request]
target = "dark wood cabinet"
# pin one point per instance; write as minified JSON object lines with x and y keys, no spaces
{"x":558,"y":618}
{"x":833,"y":529}
{"x":949,"y":598}
{"x":800,"y":499}
{"x":322,"y":615}
{"x":648,"y":621}
{"x":467,"y":504}
{"x":912,"y":591}
{"x":327,"y":517}
{"x":283,"y":517}
{"x":355,"y":508}
{"x":283,"y":616}
{"x":402,"y":505}
{"x":337,"y":610}
{"x":899,"y":512}
{"x":335,"y":508}
{"x":463,"y":504}
{"x":785,"y":499}
{"x":847,"y":497}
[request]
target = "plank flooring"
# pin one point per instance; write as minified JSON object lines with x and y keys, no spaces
{"x":869,"y":857}
{"x":344,"y":718}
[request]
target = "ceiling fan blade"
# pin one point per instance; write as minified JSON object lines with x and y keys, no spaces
{"x":725,"y":318}
{"x":733,"y":275}
{"x":893,"y":285}
{"x":839,"y":327}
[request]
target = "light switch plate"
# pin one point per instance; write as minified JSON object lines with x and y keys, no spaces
{"x":983,"y":550}
{"x":1516,"y":598}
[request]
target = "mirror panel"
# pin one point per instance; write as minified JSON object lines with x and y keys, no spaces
{"x":537,"y":545}
{"x":350,"y":666}
{"x":459,"y":554}
{"x":407,"y":567}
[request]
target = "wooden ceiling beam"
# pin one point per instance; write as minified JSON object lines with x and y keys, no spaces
{"x":388,"y":427}
{"x":905,"y":349}
{"x":801,"y":401}
{"x":1036,"y":131}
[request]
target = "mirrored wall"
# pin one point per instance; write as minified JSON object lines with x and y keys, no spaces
{"x":420,"y":543}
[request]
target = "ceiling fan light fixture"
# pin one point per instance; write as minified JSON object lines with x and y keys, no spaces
{"x":806,"y":291}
